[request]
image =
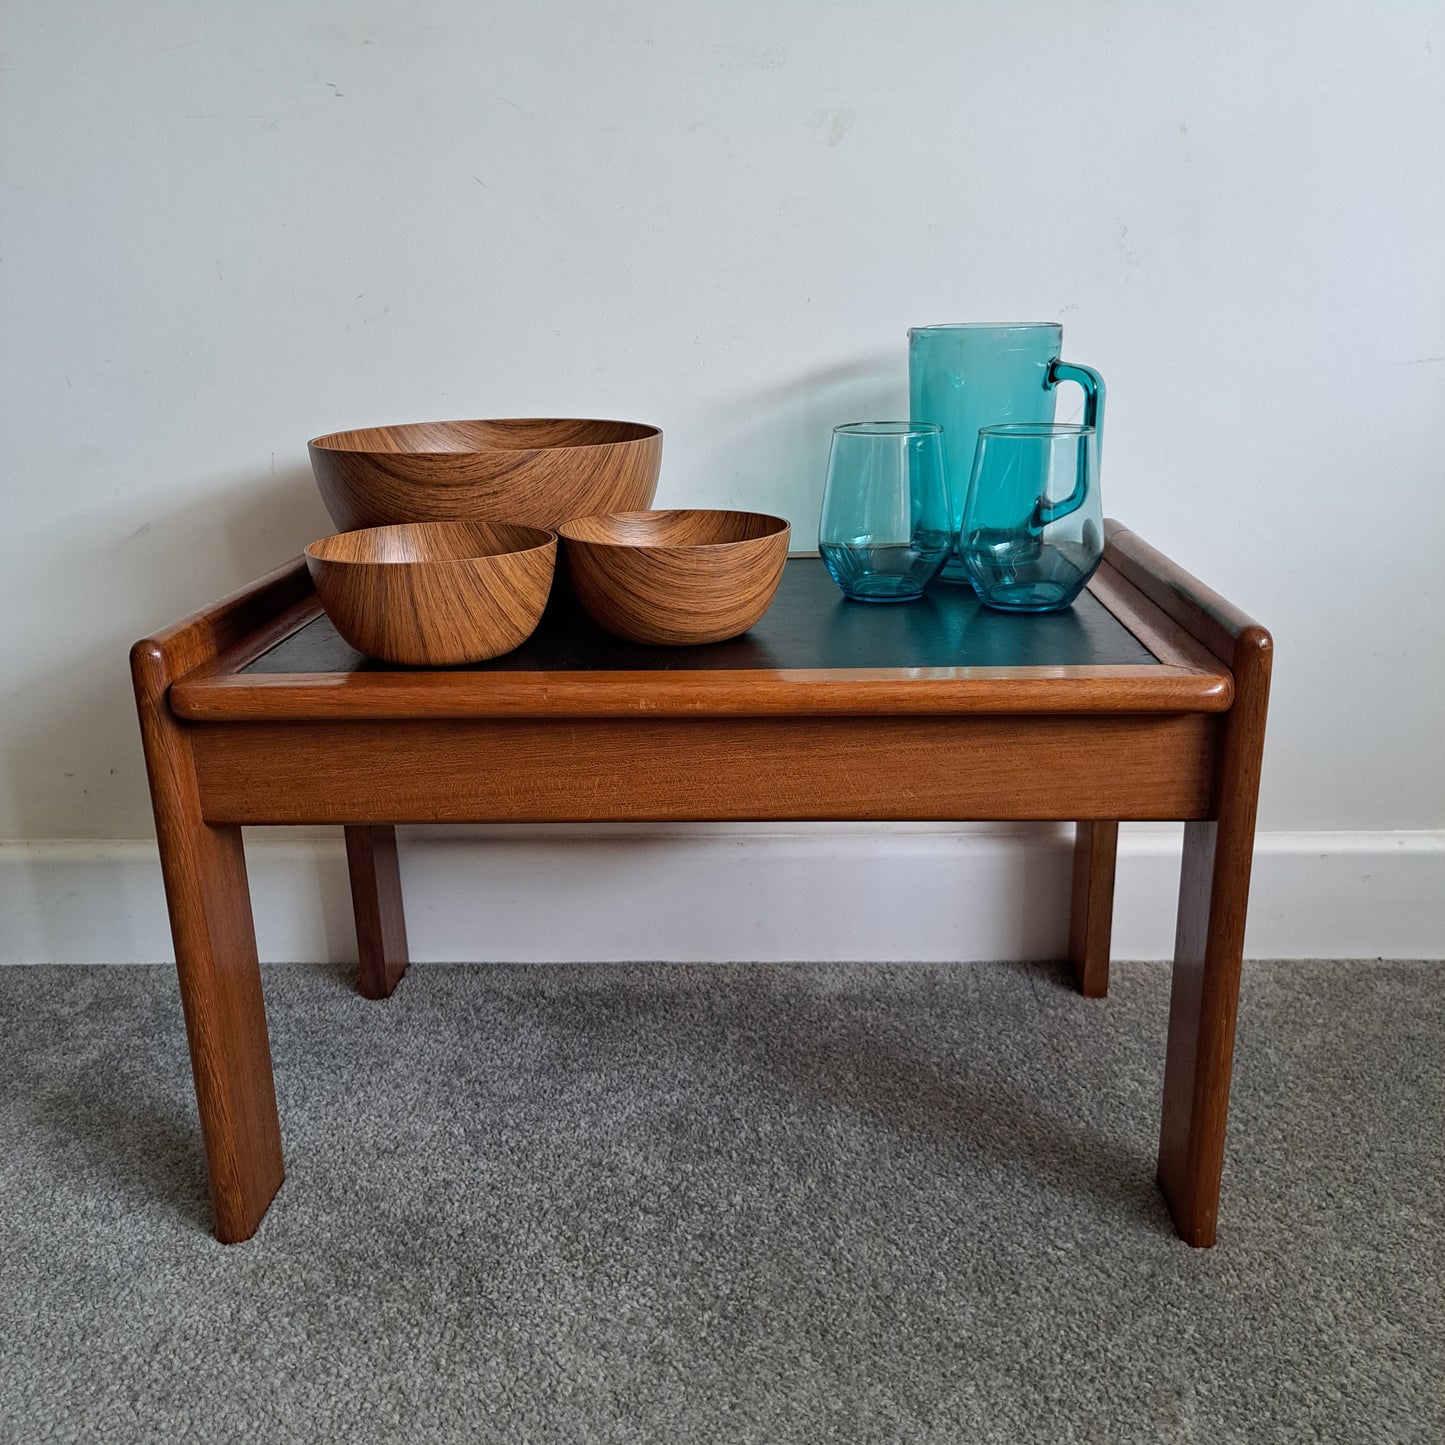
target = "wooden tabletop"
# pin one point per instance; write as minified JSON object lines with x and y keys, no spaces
{"x":814,"y":652}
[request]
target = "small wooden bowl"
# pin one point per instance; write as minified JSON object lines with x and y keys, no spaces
{"x":676,"y":577}
{"x":536,"y":472}
{"x":435,"y":593}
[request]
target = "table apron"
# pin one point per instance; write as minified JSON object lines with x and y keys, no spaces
{"x":720,"y":769}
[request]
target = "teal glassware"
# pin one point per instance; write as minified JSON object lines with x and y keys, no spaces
{"x":1033,"y":524}
{"x":965,"y":377}
{"x":885,"y":529}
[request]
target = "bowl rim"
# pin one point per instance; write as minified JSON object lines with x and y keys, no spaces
{"x":546,"y":539}
{"x":327,"y":441}
{"x":778,"y":526}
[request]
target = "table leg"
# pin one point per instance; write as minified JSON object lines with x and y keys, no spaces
{"x":204,"y":869}
{"x":226,"y":1025}
{"x":1091,"y":912}
{"x":376,"y":902}
{"x":1208,"y":958}
{"x":1203,"y":1006}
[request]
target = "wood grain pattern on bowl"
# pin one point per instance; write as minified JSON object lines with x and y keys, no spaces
{"x":676,"y":577}
{"x":534,"y":471}
{"x":434,"y":593}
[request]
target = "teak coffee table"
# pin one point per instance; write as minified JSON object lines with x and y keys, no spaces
{"x":1146,"y":700}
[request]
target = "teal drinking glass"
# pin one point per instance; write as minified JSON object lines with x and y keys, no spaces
{"x":1033,"y":526}
{"x":885,"y":529}
{"x":968,"y":376}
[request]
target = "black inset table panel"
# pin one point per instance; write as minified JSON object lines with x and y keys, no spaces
{"x":810,"y":625}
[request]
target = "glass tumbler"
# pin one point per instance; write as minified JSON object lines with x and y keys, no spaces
{"x":1033,"y":526}
{"x":885,"y":530}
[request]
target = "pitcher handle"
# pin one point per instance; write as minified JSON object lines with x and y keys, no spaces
{"x":1093,"y":385}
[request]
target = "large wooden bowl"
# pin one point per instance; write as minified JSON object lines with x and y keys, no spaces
{"x":535,"y":472}
{"x":435,"y":593}
{"x":676,"y":577}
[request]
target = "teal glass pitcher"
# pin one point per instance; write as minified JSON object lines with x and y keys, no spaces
{"x":967,"y":376}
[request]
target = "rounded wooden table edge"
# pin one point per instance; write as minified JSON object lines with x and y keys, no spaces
{"x":898,"y":692}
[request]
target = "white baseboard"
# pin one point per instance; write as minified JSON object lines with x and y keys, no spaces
{"x":697,"y":893}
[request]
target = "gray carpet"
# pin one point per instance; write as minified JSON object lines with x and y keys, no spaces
{"x":758,"y":1203}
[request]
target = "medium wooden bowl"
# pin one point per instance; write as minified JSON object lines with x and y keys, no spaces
{"x":676,"y":577}
{"x":533,"y":472}
{"x":435,"y":593}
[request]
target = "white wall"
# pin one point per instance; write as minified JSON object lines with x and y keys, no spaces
{"x":229,"y":227}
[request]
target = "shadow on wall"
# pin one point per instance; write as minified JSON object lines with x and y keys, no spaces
{"x":767,"y":450}
{"x":72,"y":764}
{"x":781,"y":893}
{"x":253,"y":525}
